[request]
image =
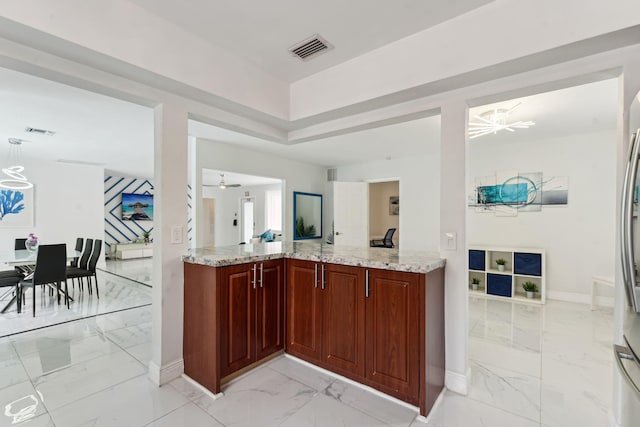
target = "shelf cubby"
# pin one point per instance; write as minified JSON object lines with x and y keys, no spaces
{"x":522,"y":264}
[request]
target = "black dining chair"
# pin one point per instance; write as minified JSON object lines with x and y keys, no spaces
{"x":386,"y":242}
{"x":82,"y":264}
{"x":23,"y":270}
{"x":51,"y":268}
{"x":79,"y":245}
{"x":10,"y":279}
{"x":20,"y":244}
{"x":90,"y":271}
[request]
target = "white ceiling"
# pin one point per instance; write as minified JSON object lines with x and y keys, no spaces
{"x":262,"y":31}
{"x":119,"y":135}
{"x":587,"y":108}
{"x":89,"y":127}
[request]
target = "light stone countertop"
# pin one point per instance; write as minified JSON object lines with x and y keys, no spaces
{"x":382,"y":258}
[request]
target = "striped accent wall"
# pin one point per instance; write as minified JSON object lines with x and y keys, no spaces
{"x":115,"y":229}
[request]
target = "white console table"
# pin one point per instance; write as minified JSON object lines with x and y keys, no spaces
{"x":132,"y":250}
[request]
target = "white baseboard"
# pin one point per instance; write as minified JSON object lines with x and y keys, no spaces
{"x":579,"y":298}
{"x":167,"y":373}
{"x":456,"y":382}
{"x":202,"y":388}
{"x":427,"y":419}
{"x":354,"y":383}
{"x":612,"y":420}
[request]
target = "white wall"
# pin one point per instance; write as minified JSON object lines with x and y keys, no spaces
{"x":579,"y":238}
{"x":68,"y":203}
{"x":458,"y":44}
{"x":419,"y":195}
{"x":296,"y":176}
{"x":227,"y":209}
{"x":123,"y":30}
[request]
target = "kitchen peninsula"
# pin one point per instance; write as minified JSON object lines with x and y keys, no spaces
{"x":374,"y":315}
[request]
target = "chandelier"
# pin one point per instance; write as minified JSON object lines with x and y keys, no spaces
{"x":14,"y":179}
{"x":495,"y":120}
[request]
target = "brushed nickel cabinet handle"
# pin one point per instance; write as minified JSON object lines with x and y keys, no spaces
{"x":261,"y":270}
{"x":366,"y":283}
{"x":253,"y":282}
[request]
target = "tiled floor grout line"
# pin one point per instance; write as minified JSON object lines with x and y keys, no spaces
{"x":125,"y":277}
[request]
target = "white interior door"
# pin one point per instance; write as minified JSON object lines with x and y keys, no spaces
{"x":209,"y":206}
{"x":351,"y":213}
{"x":248,"y":222}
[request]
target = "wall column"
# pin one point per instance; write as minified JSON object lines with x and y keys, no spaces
{"x":453,"y":212}
{"x":170,"y":240}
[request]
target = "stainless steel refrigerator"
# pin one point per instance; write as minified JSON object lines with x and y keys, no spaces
{"x":627,"y":355}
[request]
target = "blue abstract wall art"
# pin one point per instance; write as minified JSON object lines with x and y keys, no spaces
{"x":11,"y":202}
{"x":508,"y":193}
{"x":16,"y":208}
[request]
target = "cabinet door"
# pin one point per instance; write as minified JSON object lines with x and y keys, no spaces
{"x":343,"y":297}
{"x":237,"y":318}
{"x":392,"y":330}
{"x":304,"y":310}
{"x":270,"y":308}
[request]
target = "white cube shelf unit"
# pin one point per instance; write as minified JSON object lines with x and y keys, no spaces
{"x":522,"y":265}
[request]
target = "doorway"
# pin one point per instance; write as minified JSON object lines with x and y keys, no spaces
{"x":238,"y":207}
{"x":247,"y":213}
{"x":541,"y":175}
{"x":384,"y":210}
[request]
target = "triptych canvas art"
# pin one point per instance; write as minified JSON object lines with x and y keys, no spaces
{"x":507,"y":193}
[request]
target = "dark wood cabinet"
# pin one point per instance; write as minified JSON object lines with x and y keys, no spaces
{"x":304,"y":310}
{"x":234,"y":316}
{"x":381,"y":328}
{"x":269,"y":308}
{"x":343,"y":333}
{"x":392,"y":331}
{"x":237,"y":318}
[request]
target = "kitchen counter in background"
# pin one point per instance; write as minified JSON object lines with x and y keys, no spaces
{"x":382,"y":258}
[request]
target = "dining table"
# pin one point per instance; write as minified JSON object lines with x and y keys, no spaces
{"x":27,"y":258}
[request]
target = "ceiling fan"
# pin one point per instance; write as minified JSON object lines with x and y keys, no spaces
{"x":222,"y":184}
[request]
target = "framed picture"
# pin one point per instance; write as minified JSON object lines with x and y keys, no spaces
{"x":307,"y":211}
{"x":394,"y":205}
{"x":16,"y":208}
{"x":137,"y":207}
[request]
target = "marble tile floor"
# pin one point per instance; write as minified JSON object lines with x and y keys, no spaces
{"x":116,"y":293}
{"x":136,"y":269}
{"x":549,"y":365}
{"x":93,"y":372}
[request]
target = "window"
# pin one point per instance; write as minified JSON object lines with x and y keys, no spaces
{"x":273,"y":210}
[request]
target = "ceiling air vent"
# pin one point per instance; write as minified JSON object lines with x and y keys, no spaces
{"x":39,"y":131}
{"x":310,"y":47}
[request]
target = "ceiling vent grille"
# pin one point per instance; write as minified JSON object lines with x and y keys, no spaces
{"x":310,"y":48}
{"x":39,"y":131}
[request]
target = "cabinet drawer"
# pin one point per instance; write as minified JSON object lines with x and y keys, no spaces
{"x":499,"y":284}
{"x":476,"y":260}
{"x":526,"y":263}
